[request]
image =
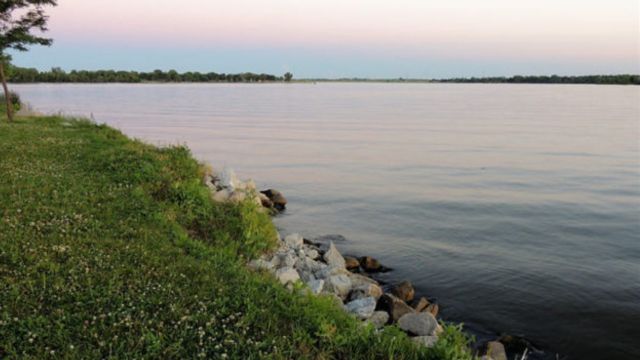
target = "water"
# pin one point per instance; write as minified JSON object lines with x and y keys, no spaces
{"x":517,"y":206}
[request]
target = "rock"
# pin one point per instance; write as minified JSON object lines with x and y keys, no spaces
{"x":305,"y":275}
{"x":420,"y":324}
{"x":494,"y":350}
{"x":351,"y":263}
{"x":333,"y":258}
{"x":228,"y":179}
{"x":394,"y":306}
{"x":365,"y":290}
{"x":362,"y":308}
{"x":404,"y":291}
{"x":237,"y":197}
{"x":369,"y":264}
{"x":293,"y":240}
{"x":316,"y":286}
{"x":265,"y":201}
{"x":313,"y":254}
{"x":250,"y":186}
{"x":432,"y":309}
{"x":360,"y":280}
{"x":421,"y":304}
{"x":426,"y":341}
{"x":287,"y":275}
{"x":379,"y":319}
{"x":221,"y":196}
{"x":279,"y":201}
{"x":260,"y":264}
{"x":515,"y":344}
{"x":286,"y":259}
{"x":339,"y":285}
{"x":326,"y":271}
{"x":311,"y":265}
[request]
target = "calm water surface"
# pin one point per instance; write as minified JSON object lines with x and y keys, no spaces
{"x":517,"y":206}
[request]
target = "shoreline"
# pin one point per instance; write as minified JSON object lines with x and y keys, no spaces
{"x":351,"y":280}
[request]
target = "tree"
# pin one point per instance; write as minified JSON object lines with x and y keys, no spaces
{"x":288,"y":76}
{"x":18,"y":18}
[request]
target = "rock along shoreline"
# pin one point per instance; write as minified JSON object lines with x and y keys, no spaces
{"x":323,"y":270}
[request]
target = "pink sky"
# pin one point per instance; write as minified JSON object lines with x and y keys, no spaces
{"x":523,"y":30}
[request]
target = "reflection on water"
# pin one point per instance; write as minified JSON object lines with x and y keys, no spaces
{"x":517,"y":206}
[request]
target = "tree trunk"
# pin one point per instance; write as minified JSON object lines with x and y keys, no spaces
{"x":7,"y":96}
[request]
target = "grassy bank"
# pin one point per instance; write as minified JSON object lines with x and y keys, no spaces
{"x":111,"y":248}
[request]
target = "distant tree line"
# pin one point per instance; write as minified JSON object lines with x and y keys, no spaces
{"x":57,"y":75}
{"x":625,"y":79}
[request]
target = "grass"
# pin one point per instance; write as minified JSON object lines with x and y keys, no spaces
{"x":111,"y":248}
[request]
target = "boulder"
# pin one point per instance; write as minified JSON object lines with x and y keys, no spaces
{"x":222,"y":195}
{"x":237,"y":197}
{"x":432,"y":309}
{"x":287,"y":275}
{"x":333,"y":258}
{"x":426,"y":341}
{"x":362,"y":308}
{"x":287,"y":259}
{"x":420,"y":324}
{"x":351,"y":263}
{"x":325,"y":271}
{"x":494,"y":350}
{"x":365,"y":290}
{"x":421,"y":304}
{"x":359,"y":280}
{"x":313,"y":254}
{"x":278,"y":200}
{"x":228,"y":179}
{"x":339,"y":285}
{"x":261,"y":264}
{"x":265,"y":201}
{"x":316,"y":286}
{"x":394,"y":306}
{"x":370,"y":264}
{"x":379,"y":319}
{"x":404,"y":291}
{"x":293,"y":240}
{"x":515,"y":344}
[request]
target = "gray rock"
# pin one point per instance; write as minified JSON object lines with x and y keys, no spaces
{"x":293,"y":240}
{"x":333,"y":258}
{"x":316,"y":286}
{"x":339,"y":285}
{"x":260,"y":264}
{"x":221,"y":196}
{"x":287,"y":275}
{"x":237,"y":197}
{"x":287,"y":259}
{"x":326,"y":271}
{"x":228,"y":179}
{"x":313,"y":254}
{"x":426,"y":341}
{"x":306,"y":276}
{"x":362,"y":308}
{"x":365,"y":290}
{"x":379,"y":319}
{"x":420,"y":324}
{"x":360,"y":280}
{"x":494,"y":350}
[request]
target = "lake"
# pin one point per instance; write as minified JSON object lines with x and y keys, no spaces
{"x":516,"y":206}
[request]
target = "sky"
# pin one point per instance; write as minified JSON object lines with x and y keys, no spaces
{"x":345,"y":38}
